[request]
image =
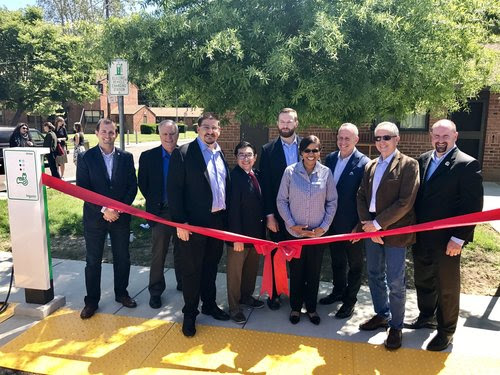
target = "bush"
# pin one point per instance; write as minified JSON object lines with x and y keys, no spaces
{"x":149,"y":128}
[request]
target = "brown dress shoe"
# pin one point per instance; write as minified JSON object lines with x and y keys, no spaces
{"x":126,"y":301}
{"x":394,"y":339}
{"x":88,"y":312}
{"x":374,"y":323}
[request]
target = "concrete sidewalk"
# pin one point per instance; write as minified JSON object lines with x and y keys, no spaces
{"x":477,"y":333}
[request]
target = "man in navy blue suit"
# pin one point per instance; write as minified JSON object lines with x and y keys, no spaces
{"x":109,"y":171}
{"x":347,"y":165}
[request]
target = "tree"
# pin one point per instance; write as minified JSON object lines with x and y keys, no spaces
{"x":40,"y":67}
{"x":333,"y":61}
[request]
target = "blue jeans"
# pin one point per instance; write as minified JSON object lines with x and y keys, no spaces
{"x":386,"y":278}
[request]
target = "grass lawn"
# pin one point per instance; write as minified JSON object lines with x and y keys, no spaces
{"x":140,"y":137}
{"x":480,"y":259}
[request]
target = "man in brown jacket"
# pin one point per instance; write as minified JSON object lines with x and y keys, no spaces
{"x":385,"y":201}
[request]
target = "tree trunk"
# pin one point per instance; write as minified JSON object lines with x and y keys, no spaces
{"x":16,"y":117}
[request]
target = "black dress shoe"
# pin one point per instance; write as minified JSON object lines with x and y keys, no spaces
{"x":294,"y":317}
{"x":216,"y":313}
{"x":126,"y":301}
{"x":188,"y":327}
{"x":440,"y":342}
{"x":422,"y":322}
{"x":88,"y":312}
{"x":155,"y":302}
{"x":374,"y":323}
{"x":252,"y":302}
{"x":345,"y":311}
{"x":274,"y":303}
{"x":329,"y":299}
{"x":394,"y":339}
{"x":314,"y":318}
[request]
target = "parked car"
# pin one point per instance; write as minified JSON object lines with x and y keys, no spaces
{"x":5,"y":133}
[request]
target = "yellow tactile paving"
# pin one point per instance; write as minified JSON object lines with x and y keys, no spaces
{"x":110,"y":344}
{"x":8,"y":313}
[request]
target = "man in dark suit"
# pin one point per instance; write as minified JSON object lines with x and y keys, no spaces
{"x":153,"y":175}
{"x":451,"y":185}
{"x":109,"y":171}
{"x":198,"y":185}
{"x":348,"y":166}
{"x":246,"y":216}
{"x":275,"y":157}
{"x":385,"y":201}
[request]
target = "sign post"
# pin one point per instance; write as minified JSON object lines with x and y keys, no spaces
{"x":118,"y":85}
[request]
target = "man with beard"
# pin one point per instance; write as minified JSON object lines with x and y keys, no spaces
{"x":451,"y":185}
{"x":275,"y":157}
{"x":197,"y":188}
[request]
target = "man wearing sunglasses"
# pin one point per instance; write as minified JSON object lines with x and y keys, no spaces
{"x":385,"y":201}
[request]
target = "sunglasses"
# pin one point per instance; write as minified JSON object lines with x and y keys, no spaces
{"x":378,"y":138}
{"x":308,"y":151}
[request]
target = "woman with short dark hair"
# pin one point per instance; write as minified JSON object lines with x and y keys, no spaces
{"x":50,"y":141}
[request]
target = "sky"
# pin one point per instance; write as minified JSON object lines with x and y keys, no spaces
{"x":16,"y":4}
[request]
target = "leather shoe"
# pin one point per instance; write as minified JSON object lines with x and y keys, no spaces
{"x":345,"y":311}
{"x":422,"y":322}
{"x":294,"y":317}
{"x":440,"y":342}
{"x":252,"y":302}
{"x":155,"y":302}
{"x":274,"y":303}
{"x":188,"y":327}
{"x":239,"y":318}
{"x":329,"y":299}
{"x":126,"y":301}
{"x":216,"y":313}
{"x":88,"y":312}
{"x":314,"y":318}
{"x":374,"y":323}
{"x":394,"y":339}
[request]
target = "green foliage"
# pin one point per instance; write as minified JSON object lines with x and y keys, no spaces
{"x":41,"y":68}
{"x":333,"y":61}
{"x":149,"y":128}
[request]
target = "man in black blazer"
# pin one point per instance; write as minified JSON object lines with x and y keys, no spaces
{"x":109,"y":171}
{"x":275,"y":157}
{"x":348,"y":166}
{"x":198,"y":185}
{"x":451,"y":185}
{"x":153,"y":175}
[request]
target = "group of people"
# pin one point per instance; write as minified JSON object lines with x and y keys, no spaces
{"x":292,"y":195}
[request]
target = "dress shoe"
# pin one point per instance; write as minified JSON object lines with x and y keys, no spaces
{"x":440,"y":342}
{"x":88,"y":312}
{"x":126,"y":301}
{"x":314,"y":318}
{"x":329,"y":299}
{"x":294,"y":317}
{"x":252,"y":302}
{"x":216,"y":313}
{"x":239,"y":318}
{"x":374,"y":323}
{"x":394,"y":339}
{"x":274,"y":303}
{"x":345,"y":311}
{"x":155,"y":302}
{"x":188,"y":327}
{"x":422,"y":322}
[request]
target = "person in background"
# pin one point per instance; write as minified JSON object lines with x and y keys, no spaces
{"x":78,"y":141}
{"x":21,"y":136}
{"x":50,"y":142}
{"x":62,"y":137}
{"x":306,"y":201}
{"x":348,"y":166}
{"x":246,"y":216}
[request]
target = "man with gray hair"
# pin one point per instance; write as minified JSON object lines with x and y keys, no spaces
{"x":153,"y":176}
{"x":385,"y":201}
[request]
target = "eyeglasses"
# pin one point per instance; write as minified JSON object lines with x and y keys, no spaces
{"x":248,"y":155}
{"x":378,"y":138}
{"x":308,"y":151}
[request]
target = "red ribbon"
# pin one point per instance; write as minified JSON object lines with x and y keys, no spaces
{"x":287,"y":250}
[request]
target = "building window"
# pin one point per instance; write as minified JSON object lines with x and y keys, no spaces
{"x":415,"y":121}
{"x":92,"y":117}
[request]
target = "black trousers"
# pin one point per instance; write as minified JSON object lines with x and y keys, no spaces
{"x":346,"y":282}
{"x":95,"y":234}
{"x":199,"y":258}
{"x":437,"y":281}
{"x":52,"y":165}
{"x":161,"y":235}
{"x":304,"y":278}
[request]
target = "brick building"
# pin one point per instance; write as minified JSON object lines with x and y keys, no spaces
{"x":187,"y":115}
